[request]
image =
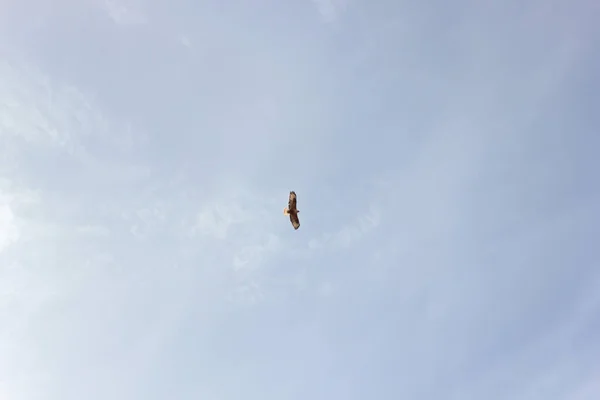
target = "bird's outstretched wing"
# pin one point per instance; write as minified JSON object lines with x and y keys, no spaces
{"x":294,"y":220}
{"x":292,"y":202}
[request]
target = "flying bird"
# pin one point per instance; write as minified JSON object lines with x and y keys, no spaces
{"x":292,"y":211}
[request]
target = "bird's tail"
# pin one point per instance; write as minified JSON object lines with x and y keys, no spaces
{"x":286,"y":211}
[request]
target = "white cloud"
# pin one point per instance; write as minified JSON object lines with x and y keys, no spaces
{"x":252,"y":255}
{"x":125,"y":12}
{"x":329,"y":10}
{"x":326,"y":289}
{"x":36,"y":111}
{"x":241,"y":229}
{"x":93,"y":230}
{"x":145,"y":220}
{"x":216,"y":220}
{"x":350,"y":233}
{"x":4,"y":395}
{"x":588,"y":388}
{"x":13,"y":201}
{"x":185,"y":41}
{"x":9,"y":232}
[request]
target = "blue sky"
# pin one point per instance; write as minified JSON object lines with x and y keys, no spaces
{"x":445,"y":161}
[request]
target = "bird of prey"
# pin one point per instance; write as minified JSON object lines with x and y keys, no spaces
{"x":292,"y":211}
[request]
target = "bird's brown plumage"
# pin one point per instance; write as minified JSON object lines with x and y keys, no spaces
{"x":292,"y":211}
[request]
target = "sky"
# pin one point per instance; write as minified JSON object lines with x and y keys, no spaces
{"x":445,"y":158}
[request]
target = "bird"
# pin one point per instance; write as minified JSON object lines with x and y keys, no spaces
{"x":292,"y":211}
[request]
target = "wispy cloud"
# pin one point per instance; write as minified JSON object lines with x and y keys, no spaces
{"x":185,"y":41}
{"x":125,"y":12}
{"x":350,"y":233}
{"x":242,"y":227}
{"x":10,"y":232}
{"x":215,"y":221}
{"x":329,"y":10}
